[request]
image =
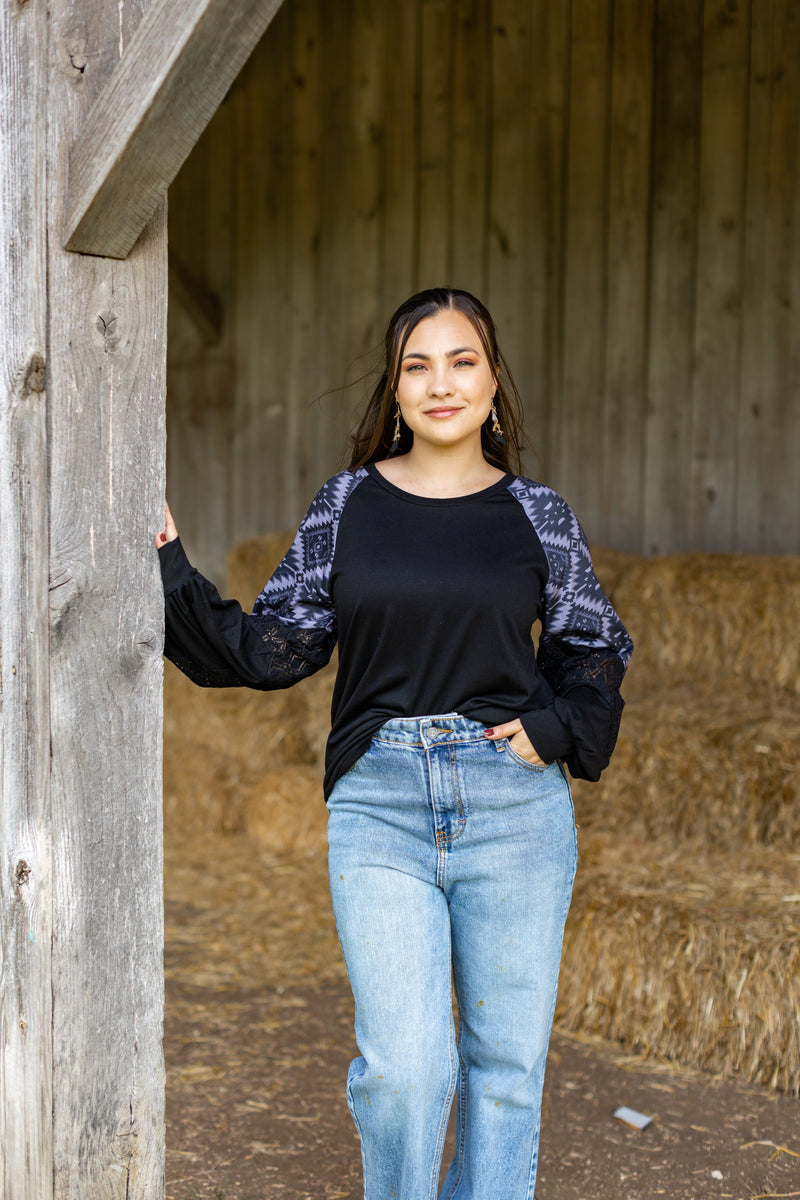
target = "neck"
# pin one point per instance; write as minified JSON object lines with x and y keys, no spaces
{"x":441,"y":470}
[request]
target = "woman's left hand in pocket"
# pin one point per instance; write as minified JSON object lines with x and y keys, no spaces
{"x":518,"y":740}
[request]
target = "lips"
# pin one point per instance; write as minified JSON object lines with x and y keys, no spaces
{"x":442,"y":412}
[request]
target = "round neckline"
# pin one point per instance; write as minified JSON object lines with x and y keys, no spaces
{"x":413,"y":498}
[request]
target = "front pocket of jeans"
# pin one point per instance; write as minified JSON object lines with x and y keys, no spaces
{"x":523,"y":762}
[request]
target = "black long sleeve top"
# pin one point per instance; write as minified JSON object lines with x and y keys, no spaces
{"x":432,"y":602}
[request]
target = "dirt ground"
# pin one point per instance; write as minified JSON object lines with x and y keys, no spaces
{"x":259,"y":1035}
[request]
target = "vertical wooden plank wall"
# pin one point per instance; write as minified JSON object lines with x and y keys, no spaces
{"x":26,"y":1133}
{"x":260,"y":312}
{"x":306,"y":220}
{"x":511,"y":166}
{"x":617,"y":180}
{"x":673,"y":272}
{"x":627,"y":274}
{"x":106,"y":347}
{"x":201,"y":360}
{"x":580,"y":419}
{"x":768,"y":499}
{"x":718,"y":315}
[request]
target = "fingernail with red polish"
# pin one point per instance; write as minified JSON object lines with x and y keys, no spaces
{"x":488,"y":732}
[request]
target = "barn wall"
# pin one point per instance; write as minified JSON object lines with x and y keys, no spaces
{"x":617,"y":179}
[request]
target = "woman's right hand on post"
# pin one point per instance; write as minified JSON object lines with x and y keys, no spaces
{"x":169,"y":532}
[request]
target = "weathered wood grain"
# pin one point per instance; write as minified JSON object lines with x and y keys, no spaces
{"x":629,"y":172}
{"x":261,"y":311}
{"x":506,"y":131}
{"x":304,"y":383}
{"x":673,"y":269}
{"x":26,"y":1134}
{"x":585,"y":262}
{"x":541,"y":364}
{"x":200,"y":379}
{"x":718,"y":305}
{"x":178,"y":66}
{"x":367,"y":134}
{"x":198,"y":301}
{"x":471,"y":146}
{"x":401,"y":154}
{"x":768,"y":502}
{"x":333,"y":339}
{"x":106,"y":353}
{"x":435,"y":116}
{"x":510,"y":178}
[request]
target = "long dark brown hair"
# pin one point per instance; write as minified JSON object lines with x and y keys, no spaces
{"x":372,"y":439}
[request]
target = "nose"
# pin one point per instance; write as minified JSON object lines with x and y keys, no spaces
{"x":439,"y":382}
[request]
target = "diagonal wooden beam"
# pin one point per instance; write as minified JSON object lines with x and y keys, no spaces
{"x":200,"y":304}
{"x":181,"y":61}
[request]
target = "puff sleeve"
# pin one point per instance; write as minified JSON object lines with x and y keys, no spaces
{"x":291,"y":632}
{"x":584,"y":648}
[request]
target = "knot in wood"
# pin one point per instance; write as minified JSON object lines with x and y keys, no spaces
{"x":35,"y":375}
{"x":22,"y":873}
{"x":107,"y":326}
{"x":148,"y":640}
{"x":75,"y":52}
{"x":124,"y":1145}
{"x":64,"y":591}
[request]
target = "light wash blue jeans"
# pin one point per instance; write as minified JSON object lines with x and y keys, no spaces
{"x":450,"y":858}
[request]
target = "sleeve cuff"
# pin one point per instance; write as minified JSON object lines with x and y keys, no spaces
{"x":175,"y":566}
{"x":550,"y":737}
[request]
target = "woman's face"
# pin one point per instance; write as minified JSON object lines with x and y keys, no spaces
{"x":446,"y":383}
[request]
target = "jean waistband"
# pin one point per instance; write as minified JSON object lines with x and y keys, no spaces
{"x":432,"y":730}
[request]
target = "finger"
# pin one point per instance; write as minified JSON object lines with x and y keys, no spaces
{"x":503,"y":731}
{"x":523,"y":746}
{"x":169,"y":532}
{"x":170,"y":527}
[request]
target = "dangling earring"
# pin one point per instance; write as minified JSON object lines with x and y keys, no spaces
{"x":395,"y":446}
{"x":496,"y":430}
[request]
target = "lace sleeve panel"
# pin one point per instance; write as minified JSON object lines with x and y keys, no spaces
{"x":268,"y":657}
{"x":292,"y":630}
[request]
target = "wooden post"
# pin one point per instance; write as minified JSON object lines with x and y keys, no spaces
{"x":106,"y":366}
{"x":26,"y":1143}
{"x":183,"y":58}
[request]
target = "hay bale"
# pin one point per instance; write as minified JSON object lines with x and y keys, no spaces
{"x":251,"y":562}
{"x":285,"y":812}
{"x":699,"y":767}
{"x":724,"y":617}
{"x":221,"y":744}
{"x":236,"y":759}
{"x":610,"y":567}
{"x":696,"y":962}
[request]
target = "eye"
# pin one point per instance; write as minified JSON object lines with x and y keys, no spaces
{"x":418,"y":366}
{"x":465,"y":362}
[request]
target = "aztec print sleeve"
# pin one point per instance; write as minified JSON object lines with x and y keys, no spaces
{"x":291,"y":632}
{"x":583,"y":648}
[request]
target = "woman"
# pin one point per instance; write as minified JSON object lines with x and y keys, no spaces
{"x":451,"y":833}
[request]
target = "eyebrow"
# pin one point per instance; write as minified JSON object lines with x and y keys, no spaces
{"x":450,"y":353}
